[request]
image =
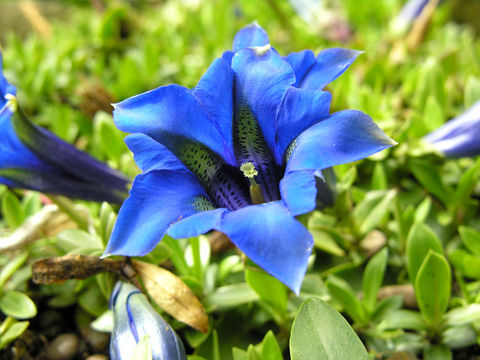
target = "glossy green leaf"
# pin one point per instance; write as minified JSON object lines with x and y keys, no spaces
{"x":419,"y":242}
{"x":12,"y":210}
{"x":373,"y":278}
{"x":344,"y":294}
{"x":267,"y":287}
{"x":471,"y":239}
{"x":13,"y":332}
{"x":319,"y":332}
{"x":466,"y":263}
{"x":431,"y":179}
{"x":270,"y":350}
{"x":18,"y":305}
{"x":370,"y":212}
{"x":432,"y":287}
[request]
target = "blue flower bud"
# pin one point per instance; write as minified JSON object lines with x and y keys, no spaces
{"x":135,"y":318}
{"x":34,"y":158}
{"x":458,"y":137}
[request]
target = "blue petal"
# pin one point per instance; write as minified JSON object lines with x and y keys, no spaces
{"x":13,"y":153}
{"x":344,"y":137}
{"x":250,"y":35}
{"x":300,"y":109}
{"x":56,"y":182}
{"x":150,"y":155}
{"x":459,"y":136}
{"x":172,"y":114}
{"x":299,"y":190}
{"x":58,"y":154}
{"x":5,"y":87}
{"x":330,"y":64}
{"x":227,"y":56}
{"x":214,"y":91}
{"x":197,"y":224}
{"x":157,"y":200}
{"x":262,"y":79}
{"x":301,"y":63}
{"x":270,"y":236}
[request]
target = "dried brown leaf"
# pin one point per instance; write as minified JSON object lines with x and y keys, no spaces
{"x":172,"y":295}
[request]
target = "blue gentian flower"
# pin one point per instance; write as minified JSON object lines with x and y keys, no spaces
{"x":239,"y":153}
{"x":34,"y":158}
{"x":460,"y":136}
{"x":133,"y":318}
{"x":407,"y":15}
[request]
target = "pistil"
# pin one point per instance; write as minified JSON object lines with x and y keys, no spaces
{"x":250,"y":172}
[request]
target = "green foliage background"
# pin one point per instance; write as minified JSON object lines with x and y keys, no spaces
{"x":420,"y":208}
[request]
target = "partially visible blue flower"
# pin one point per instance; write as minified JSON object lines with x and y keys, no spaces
{"x":240,"y":153}
{"x":133,"y":318}
{"x":407,"y":16}
{"x":34,"y":158}
{"x":459,"y":137}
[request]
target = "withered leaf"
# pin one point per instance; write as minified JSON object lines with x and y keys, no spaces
{"x":172,"y":295}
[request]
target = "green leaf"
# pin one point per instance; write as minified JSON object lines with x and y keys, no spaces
{"x":239,"y":354}
{"x":466,"y":263}
{"x":13,"y":332}
{"x":18,"y":305}
{"x":419,"y":242}
{"x":373,"y":278}
{"x":12,"y":210}
{"x":270,"y":349}
{"x":252,"y":353}
{"x":403,"y":319}
{"x":324,"y":241}
{"x":230,"y":296}
{"x":463,"y":315}
{"x":430,"y":178}
{"x":319,"y":332}
{"x":75,"y":239}
{"x":267,"y":287}
{"x":465,"y":186}
{"x":342,"y":292}
{"x":471,"y":239}
{"x":143,"y":350}
{"x":432,"y":287}
{"x":370,"y":212}
{"x":472,"y":91}
{"x":12,"y":266}
{"x":379,"y":178}
{"x":433,"y":115}
{"x":438,"y":352}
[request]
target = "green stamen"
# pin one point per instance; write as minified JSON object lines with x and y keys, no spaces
{"x":250,"y":172}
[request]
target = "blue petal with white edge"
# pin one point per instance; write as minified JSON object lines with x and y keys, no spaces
{"x":149,"y":154}
{"x":300,"y":109}
{"x":344,"y":137}
{"x":171,"y":115}
{"x":251,"y":35}
{"x":157,"y":199}
{"x":299,"y":190}
{"x":272,"y":238}
{"x":262,"y":79}
{"x":197,"y":224}
{"x":329,"y":65}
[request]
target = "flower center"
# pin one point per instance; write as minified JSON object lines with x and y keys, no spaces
{"x":250,"y":172}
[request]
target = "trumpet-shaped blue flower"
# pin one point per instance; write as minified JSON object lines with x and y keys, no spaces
{"x":239,"y":154}
{"x":458,"y":137}
{"x":34,"y":158}
{"x":134,"y":318}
